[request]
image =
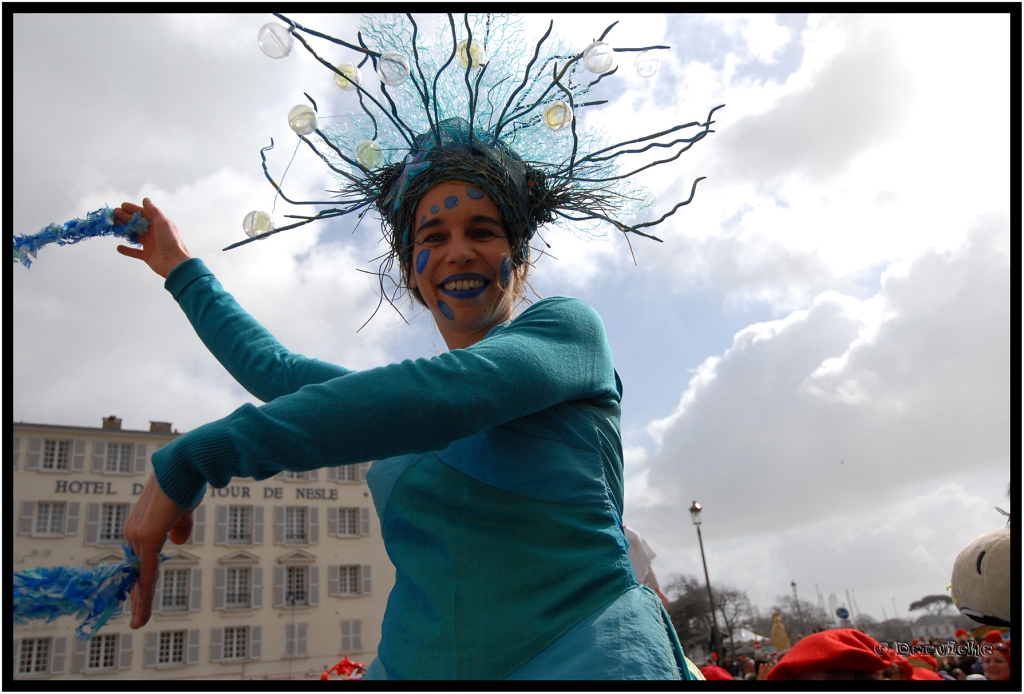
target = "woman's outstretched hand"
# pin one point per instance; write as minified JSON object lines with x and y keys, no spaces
{"x":154,"y":519}
{"x":162,"y":247}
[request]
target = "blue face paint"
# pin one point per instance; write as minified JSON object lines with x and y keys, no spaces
{"x":506,"y":272}
{"x":446,"y":310}
{"x":421,"y":260}
{"x":451,"y":201}
{"x":434,"y":209}
{"x":475,"y":194}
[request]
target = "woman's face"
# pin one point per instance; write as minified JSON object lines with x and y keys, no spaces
{"x":995,"y":665}
{"x":461,"y":262}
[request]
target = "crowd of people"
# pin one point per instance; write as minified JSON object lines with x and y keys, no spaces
{"x":849,"y":654}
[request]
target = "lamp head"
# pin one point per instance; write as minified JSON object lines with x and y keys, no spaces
{"x":695,"y":513}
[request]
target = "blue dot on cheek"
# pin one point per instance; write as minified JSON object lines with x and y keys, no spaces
{"x":421,"y":260}
{"x":451,"y":201}
{"x":475,"y":193}
{"x":434,"y":210}
{"x":423,"y":219}
{"x":446,"y":310}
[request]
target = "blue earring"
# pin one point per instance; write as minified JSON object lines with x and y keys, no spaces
{"x":506,"y":272}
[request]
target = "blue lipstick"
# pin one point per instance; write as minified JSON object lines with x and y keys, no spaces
{"x":464,"y":293}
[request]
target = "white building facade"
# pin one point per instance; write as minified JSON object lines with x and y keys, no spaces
{"x":281,"y":578}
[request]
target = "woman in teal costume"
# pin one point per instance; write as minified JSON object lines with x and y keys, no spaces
{"x":498,"y":479}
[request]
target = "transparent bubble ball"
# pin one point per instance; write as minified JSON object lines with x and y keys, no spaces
{"x":647,"y":64}
{"x":369,"y":154}
{"x":257,"y":222}
{"x":275,"y":40}
{"x":558,"y":115}
{"x":476,"y":53}
{"x":393,"y":68}
{"x":302,"y":119}
{"x":599,"y":58}
{"x":353,"y":74}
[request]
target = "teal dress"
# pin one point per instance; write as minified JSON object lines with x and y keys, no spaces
{"x":497,"y":481}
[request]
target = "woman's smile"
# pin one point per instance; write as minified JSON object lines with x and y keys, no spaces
{"x":465,"y":285}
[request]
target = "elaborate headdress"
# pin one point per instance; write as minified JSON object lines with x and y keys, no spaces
{"x":476,"y":105}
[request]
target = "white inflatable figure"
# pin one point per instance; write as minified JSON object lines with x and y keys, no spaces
{"x":981,"y":579}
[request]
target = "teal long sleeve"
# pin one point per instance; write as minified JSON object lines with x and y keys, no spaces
{"x":321,"y":415}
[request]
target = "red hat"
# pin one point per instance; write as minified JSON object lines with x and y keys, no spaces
{"x":994,"y":636}
{"x":923,"y":673}
{"x":923,"y":660}
{"x":961,"y":632}
{"x":713,"y":672}
{"x":836,"y":649}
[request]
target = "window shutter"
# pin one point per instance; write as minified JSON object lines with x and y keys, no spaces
{"x":220,"y":535}
{"x":124,"y":661}
{"x":278,"y":586}
{"x":363,"y":468}
{"x":99,"y":455}
{"x":255,"y":642}
{"x":78,"y":458}
{"x":17,"y":451}
{"x":314,"y":475}
{"x":78,"y":661}
{"x":27,"y":516}
{"x":220,"y":582}
{"x":35,"y":453}
{"x":366,"y":584}
{"x":59,"y":655}
{"x":332,"y":474}
{"x":314,"y":585}
{"x":198,"y":536}
{"x":193,"y":647}
{"x":332,"y":520}
{"x":197,"y":590}
{"x":346,"y":636}
{"x":158,"y":592}
{"x":303,"y":629}
{"x":279,"y":525}
{"x":313,"y":514}
{"x":332,"y":580}
{"x":257,"y":588}
{"x":140,"y":458}
{"x":71,"y":522}
{"x":152,"y":640}
{"x":364,"y":521}
{"x":92,"y":523}
{"x":216,"y":644}
{"x":257,"y":525}
{"x":289,"y":639}
{"x":357,"y":635}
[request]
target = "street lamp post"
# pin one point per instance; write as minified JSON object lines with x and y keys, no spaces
{"x":796,"y":601}
{"x":695,"y":516}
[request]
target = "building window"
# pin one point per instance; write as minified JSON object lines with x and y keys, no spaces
{"x":348,"y":580}
{"x":34,"y":657}
{"x":112,"y":521}
{"x":119,"y":457}
{"x":237,"y":590}
{"x":295,"y":524}
{"x":240,"y":525}
{"x":103,"y":652}
{"x":236,"y":643}
{"x":351,"y":635}
{"x":296,"y":476}
{"x":296,"y":586}
{"x":348,"y":521}
{"x":172,"y":647}
{"x":50,"y":518}
{"x":56,"y":454}
{"x":347,"y":473}
{"x":175,"y":591}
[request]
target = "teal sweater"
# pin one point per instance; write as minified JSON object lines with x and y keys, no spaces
{"x":498,"y":484}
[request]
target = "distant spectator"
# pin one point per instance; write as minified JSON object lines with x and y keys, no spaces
{"x":837,"y":654}
{"x":997,"y":663}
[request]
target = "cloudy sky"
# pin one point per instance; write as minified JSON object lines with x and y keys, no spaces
{"x":819,"y":352}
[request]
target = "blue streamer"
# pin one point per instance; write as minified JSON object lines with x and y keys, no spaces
{"x":96,"y":592}
{"x":97,"y":223}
